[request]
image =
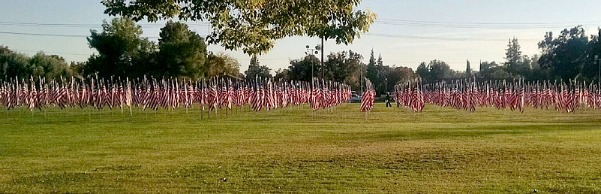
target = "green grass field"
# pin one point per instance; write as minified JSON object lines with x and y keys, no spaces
{"x":440,"y":150}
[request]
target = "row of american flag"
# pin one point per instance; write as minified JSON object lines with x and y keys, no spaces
{"x":516,"y":95}
{"x":149,"y":93}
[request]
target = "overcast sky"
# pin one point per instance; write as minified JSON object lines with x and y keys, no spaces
{"x":406,"y":32}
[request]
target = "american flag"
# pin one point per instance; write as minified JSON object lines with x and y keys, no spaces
{"x":367,"y":100}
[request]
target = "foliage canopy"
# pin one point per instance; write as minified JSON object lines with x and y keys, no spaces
{"x":253,"y":25}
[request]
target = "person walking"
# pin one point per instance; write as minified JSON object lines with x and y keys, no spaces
{"x":388,"y":100}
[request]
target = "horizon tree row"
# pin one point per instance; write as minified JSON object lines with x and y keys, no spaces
{"x":571,"y":55}
{"x":180,"y":52}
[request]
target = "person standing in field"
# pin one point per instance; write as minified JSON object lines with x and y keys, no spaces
{"x":388,"y":99}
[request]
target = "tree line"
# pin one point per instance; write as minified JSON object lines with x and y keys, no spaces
{"x":180,"y":52}
{"x":348,"y":67}
{"x":572,"y":55}
{"x":123,"y":52}
{"x":14,"y":64}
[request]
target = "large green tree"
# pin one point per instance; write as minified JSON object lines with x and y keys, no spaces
{"x":221,"y":64}
{"x":253,"y":25}
{"x":301,"y":69}
{"x":121,"y":50}
{"x":423,"y":71}
{"x":344,"y":67}
{"x":592,"y":66}
{"x":49,"y":66}
{"x":397,"y":75}
{"x":435,"y":71}
{"x":440,"y":70}
{"x":355,"y":60}
{"x":182,"y":52}
{"x":282,"y":74}
{"x":14,"y":64}
{"x":565,"y":55}
{"x":340,"y":66}
{"x":401,"y":74}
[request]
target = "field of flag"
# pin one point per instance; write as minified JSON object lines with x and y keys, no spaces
{"x":145,"y":136}
{"x":224,"y":93}
{"x":516,"y":96}
{"x":150,"y":93}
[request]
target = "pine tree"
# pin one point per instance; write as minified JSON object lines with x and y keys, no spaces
{"x":372,"y":71}
{"x":468,"y":70}
{"x":254,"y":69}
{"x":253,"y":61}
{"x":513,"y":55}
{"x":381,"y":76}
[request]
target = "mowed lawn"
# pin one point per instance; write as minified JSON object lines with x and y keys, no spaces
{"x":440,"y":150}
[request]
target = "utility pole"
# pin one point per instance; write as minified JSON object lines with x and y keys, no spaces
{"x":599,"y":75}
{"x":322,"y":67}
{"x":361,"y":76}
{"x":308,"y":53}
